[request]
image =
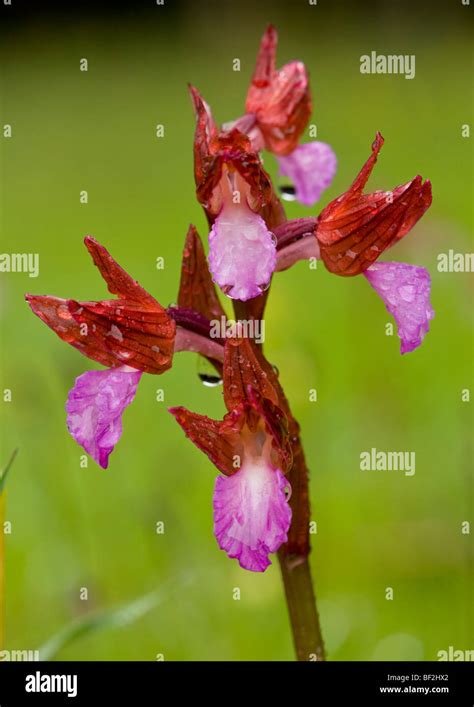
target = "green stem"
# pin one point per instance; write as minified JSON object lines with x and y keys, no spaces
{"x":301,"y":601}
{"x":293,"y":557}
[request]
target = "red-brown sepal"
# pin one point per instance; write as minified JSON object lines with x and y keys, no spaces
{"x":356,"y":228}
{"x":279,"y":98}
{"x":196,"y":288}
{"x":133,"y":330}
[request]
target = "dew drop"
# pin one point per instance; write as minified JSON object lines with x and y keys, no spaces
{"x":275,"y":370}
{"x":63,"y":312}
{"x":288,"y":192}
{"x":210,"y":381}
{"x":287,"y":492}
{"x":207,"y":374}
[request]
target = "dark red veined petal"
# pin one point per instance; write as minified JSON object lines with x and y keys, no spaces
{"x":265,"y":64}
{"x":234,"y":150}
{"x":119,"y":282}
{"x":197,"y":298}
{"x":214,"y":151}
{"x":356,"y":228}
{"x":134,"y":329}
{"x":276,"y":424}
{"x":244,"y":366}
{"x":196,"y":288}
{"x":361,"y":180}
{"x":280,"y":99}
{"x":251,"y":398}
{"x":205,"y":130}
{"x":250,"y":380}
{"x":219,"y":439}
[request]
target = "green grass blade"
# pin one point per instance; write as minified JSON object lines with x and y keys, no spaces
{"x":100,"y":621}
{"x":4,"y":473}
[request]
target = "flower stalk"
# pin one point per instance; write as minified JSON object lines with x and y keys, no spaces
{"x":294,"y":565}
{"x":301,"y":602}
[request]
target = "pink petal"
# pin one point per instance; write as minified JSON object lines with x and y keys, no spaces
{"x":242,"y":253}
{"x":405,"y":290}
{"x":251,"y":514}
{"x":311,"y":167}
{"x":95,"y":406}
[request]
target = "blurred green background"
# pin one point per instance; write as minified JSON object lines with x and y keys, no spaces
{"x":79,"y":527}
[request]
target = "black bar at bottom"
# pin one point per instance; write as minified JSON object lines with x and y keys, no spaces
{"x":83,"y":683}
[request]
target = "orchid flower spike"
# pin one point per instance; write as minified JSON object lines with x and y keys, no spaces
{"x":250,"y":238}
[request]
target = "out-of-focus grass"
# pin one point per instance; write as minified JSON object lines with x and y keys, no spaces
{"x":79,"y":527}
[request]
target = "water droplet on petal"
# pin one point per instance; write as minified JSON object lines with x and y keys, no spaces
{"x":208,"y":375}
{"x":63,"y":312}
{"x":287,"y":192}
